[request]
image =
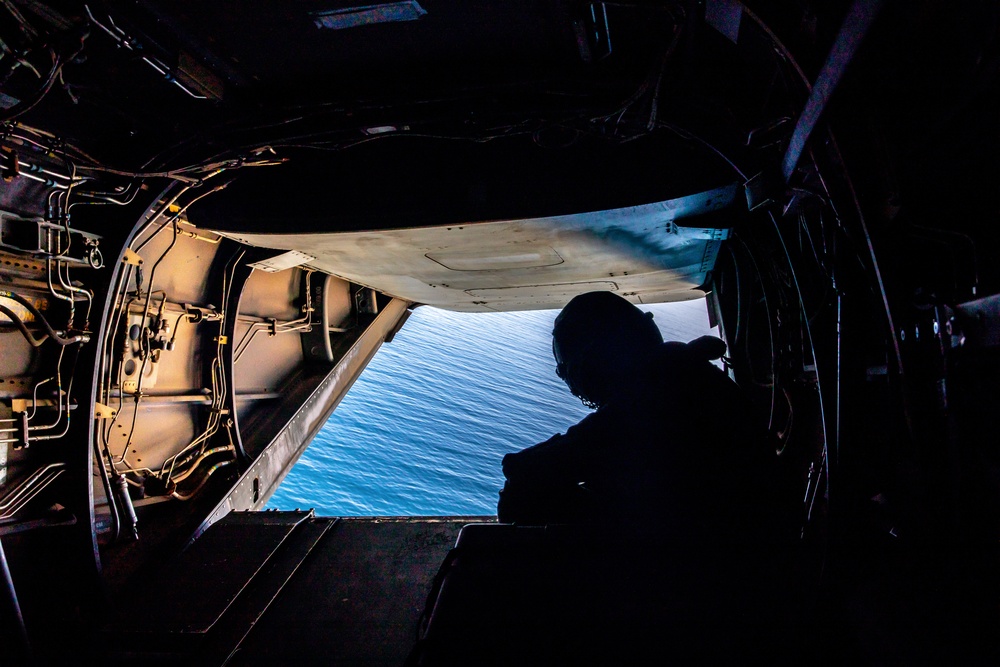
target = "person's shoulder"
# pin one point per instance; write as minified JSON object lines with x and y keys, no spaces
{"x":514,"y":461}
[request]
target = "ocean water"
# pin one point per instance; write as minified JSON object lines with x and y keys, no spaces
{"x":423,"y":429}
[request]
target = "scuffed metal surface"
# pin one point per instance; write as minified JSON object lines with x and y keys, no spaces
{"x":652,"y":252}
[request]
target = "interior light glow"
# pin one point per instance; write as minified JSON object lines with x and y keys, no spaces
{"x":353,"y":17}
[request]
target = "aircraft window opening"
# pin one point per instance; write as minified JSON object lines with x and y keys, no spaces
{"x":422,"y":431}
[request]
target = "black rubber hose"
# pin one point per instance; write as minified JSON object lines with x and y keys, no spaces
{"x":20,"y":326}
{"x":40,"y":318}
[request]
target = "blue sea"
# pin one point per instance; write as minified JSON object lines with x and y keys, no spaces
{"x":423,"y":429}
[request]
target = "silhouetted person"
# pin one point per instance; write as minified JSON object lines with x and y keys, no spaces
{"x":673,"y":447}
{"x":670,"y":493}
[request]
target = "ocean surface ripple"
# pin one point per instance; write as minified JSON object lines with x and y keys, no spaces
{"x":423,"y":430}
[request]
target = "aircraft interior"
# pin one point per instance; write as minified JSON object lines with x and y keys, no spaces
{"x":212,"y":215}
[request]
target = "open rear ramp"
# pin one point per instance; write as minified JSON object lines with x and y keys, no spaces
{"x":270,"y":588}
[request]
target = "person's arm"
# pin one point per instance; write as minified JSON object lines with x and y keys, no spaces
{"x":543,"y":481}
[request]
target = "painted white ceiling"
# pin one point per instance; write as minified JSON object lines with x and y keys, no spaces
{"x":639,"y":252}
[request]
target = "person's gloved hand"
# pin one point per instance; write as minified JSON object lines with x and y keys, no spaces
{"x":707,"y":348}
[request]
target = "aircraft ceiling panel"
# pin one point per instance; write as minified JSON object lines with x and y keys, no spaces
{"x":652,"y":252}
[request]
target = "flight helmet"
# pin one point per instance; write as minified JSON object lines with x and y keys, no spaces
{"x":598,"y":341}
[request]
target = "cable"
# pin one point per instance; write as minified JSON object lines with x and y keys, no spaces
{"x":190,"y":175}
{"x":30,"y":102}
{"x":654,"y":77}
{"x":56,"y":147}
{"x":871,"y":249}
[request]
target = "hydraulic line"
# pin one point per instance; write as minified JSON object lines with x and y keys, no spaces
{"x":100,"y":198}
{"x":17,"y":322}
{"x":109,"y":492}
{"x":300,"y":324}
{"x":34,"y":397}
{"x":145,"y":314}
{"x":126,"y":507}
{"x":173,"y":218}
{"x":812,"y":351}
{"x":121,"y":304}
{"x":825,"y":467}
{"x":29,"y":488}
{"x":204,"y":480}
{"x":123,"y":40}
{"x":58,"y":379}
{"x":55,"y":147}
{"x":67,"y":284}
{"x":276,"y":328}
{"x":44,"y":181}
{"x":62,"y":297}
{"x":115,"y":466}
{"x":219,"y":387}
{"x":68,"y":394}
{"x":194,"y":464}
{"x":83,"y":338}
{"x":48,"y":172}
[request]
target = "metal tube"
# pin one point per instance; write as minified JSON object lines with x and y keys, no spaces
{"x":128,"y":517}
{"x":109,"y":492}
{"x":68,"y":392}
{"x":62,"y":297}
{"x":46,"y":181}
{"x":34,"y":397}
{"x":194,"y":465}
{"x":211,"y":471}
{"x":124,"y":40}
{"x":67,"y":284}
{"x":26,"y":489}
{"x":59,"y":393}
